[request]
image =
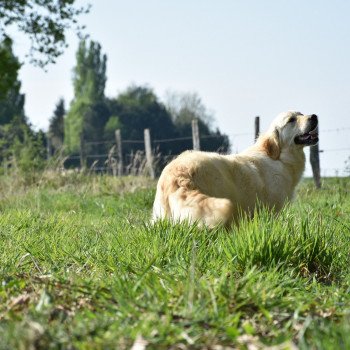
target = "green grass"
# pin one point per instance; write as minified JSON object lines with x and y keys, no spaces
{"x":82,"y":269}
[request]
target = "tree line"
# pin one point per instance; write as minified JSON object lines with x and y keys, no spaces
{"x":91,"y":117}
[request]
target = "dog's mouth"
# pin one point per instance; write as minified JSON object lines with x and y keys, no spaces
{"x":307,"y":139}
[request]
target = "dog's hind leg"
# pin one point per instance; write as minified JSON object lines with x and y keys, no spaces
{"x":196,"y":207}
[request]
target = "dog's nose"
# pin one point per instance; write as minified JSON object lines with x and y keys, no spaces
{"x":313,"y":117}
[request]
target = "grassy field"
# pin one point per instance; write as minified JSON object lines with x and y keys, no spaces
{"x":82,"y":269}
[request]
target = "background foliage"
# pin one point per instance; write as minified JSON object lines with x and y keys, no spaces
{"x":93,"y":117}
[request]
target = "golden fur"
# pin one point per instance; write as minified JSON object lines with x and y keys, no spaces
{"x":211,"y":189}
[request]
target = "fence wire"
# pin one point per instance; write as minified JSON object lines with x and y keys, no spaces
{"x":135,"y":161}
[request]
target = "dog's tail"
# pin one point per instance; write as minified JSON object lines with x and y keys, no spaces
{"x":193,"y":206}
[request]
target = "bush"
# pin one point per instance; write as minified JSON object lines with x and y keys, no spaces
{"x":21,"y":149}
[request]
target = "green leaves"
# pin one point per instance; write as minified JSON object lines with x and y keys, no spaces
{"x":8,"y":73}
{"x":89,"y":113}
{"x":90,"y":72}
{"x":44,"y":22}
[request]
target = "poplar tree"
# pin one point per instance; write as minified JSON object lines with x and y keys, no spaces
{"x":90,"y":72}
{"x":88,"y":112}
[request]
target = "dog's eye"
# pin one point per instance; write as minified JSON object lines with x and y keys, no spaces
{"x":292,"y":120}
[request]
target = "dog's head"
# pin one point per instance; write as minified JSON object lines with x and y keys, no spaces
{"x":290,"y":130}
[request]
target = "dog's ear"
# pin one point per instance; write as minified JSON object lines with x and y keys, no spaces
{"x":271,"y":144}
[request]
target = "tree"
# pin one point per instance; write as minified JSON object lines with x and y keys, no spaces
{"x":56,"y":127}
{"x":89,"y":112}
{"x":45,"y":22}
{"x":138,"y":108}
{"x":20,"y":146}
{"x":184,"y":107}
{"x":9,"y":69}
{"x":11,"y":102}
{"x":90,"y":72}
{"x":111,"y":126}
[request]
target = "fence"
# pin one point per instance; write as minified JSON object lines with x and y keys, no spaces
{"x":145,"y":157}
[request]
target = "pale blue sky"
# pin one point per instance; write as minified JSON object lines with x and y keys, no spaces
{"x":244,"y":58}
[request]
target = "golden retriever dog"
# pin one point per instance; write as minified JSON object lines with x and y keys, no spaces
{"x":211,"y":189}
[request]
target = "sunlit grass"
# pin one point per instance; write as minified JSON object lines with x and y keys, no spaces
{"x":82,"y":268}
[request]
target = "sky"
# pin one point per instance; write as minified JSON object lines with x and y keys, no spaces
{"x":243,"y":58}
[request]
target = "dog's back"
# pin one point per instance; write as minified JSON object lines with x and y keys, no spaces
{"x":210,"y":189}
{"x":189,"y":189}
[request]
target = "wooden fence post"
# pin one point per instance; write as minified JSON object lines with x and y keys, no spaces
{"x":315,"y":164}
{"x":118,"y":140}
{"x":195,"y":135}
{"x":257,"y":128}
{"x":149,"y":156}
